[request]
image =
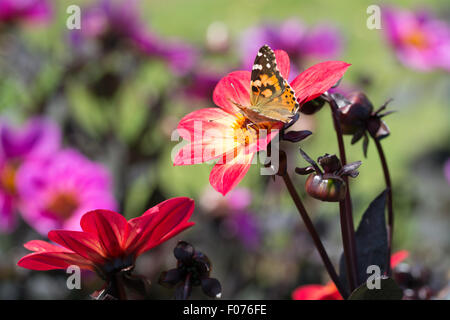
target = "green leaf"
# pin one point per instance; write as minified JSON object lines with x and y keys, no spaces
{"x":389,"y":290}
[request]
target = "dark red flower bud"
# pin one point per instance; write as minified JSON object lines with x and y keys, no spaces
{"x":377,"y":128}
{"x":330,"y":190}
{"x":328,"y":185}
{"x":329,"y":163}
{"x":193,"y":269}
{"x":183,"y":251}
{"x":357,"y":117}
{"x":354,"y":116}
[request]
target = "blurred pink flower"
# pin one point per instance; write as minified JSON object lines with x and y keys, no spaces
{"x":420,"y":41}
{"x":237,"y":219}
{"x":447,"y":170}
{"x":242,"y":223}
{"x":300,"y":42}
{"x":33,"y":11}
{"x":118,"y":22}
{"x":201,"y":85}
{"x":244,"y":226}
{"x":239,"y":199}
{"x":35,"y":139}
{"x":71,"y":186}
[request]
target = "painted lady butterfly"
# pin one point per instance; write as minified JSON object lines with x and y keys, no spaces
{"x":272,"y":99}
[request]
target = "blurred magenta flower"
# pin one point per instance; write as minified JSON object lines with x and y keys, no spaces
{"x":239,"y":199}
{"x":213,"y":202}
{"x":201,"y":85}
{"x":447,"y":170}
{"x":300,"y":42}
{"x":420,"y":41}
{"x":36,"y":139}
{"x":237,"y":219}
{"x":245,"y":226}
{"x":115,"y":23}
{"x":71,"y":186}
{"x":33,"y":11}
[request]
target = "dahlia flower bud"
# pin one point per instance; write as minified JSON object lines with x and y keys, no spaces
{"x":354,"y":115}
{"x":193,"y":269}
{"x":327,"y":185}
{"x":357,"y":118}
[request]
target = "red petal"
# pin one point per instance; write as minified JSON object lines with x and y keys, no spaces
{"x":314,"y":81}
{"x":194,"y":154}
{"x":159,"y":223}
{"x":317,"y":292}
{"x":307,"y":292}
{"x":44,"y":246}
{"x":398,"y":257}
{"x":110,"y":227}
{"x":53,"y":260}
{"x":83,"y":243}
{"x":194,"y":124}
{"x":283,"y":63}
{"x":235,"y":87}
{"x":181,"y":227}
{"x":211,"y":134}
{"x":224,"y":177}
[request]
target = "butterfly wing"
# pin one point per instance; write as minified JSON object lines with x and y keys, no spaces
{"x":271,"y":95}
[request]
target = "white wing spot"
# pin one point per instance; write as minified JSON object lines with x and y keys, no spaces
{"x":268,"y":65}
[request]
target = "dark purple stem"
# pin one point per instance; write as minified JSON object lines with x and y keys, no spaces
{"x":345,"y":206}
{"x":187,"y":287}
{"x":118,"y":287}
{"x":315,"y":236}
{"x":387,"y":178}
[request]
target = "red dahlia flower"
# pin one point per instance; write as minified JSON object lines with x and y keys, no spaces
{"x":110,"y":244}
{"x":329,"y":291}
{"x":228,"y":135}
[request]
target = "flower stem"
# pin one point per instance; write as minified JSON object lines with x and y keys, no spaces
{"x":315,"y":236}
{"x":187,"y":287}
{"x":387,"y":178}
{"x":345,"y":206}
{"x":118,"y":288}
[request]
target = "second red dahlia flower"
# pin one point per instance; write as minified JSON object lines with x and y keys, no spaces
{"x":109,"y":244}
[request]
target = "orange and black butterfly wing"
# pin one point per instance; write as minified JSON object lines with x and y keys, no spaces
{"x":271,"y":95}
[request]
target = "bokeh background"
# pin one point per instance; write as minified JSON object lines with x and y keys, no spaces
{"x":117,"y":95}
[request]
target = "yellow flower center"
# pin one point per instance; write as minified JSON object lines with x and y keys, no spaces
{"x":63,"y":204}
{"x":416,"y":39}
{"x":247,"y":132}
{"x":8,"y":178}
{"x":242,"y":127}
